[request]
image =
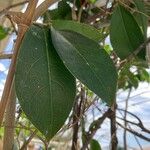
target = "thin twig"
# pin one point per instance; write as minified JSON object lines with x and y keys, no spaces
{"x":41,"y":9}
{"x":12,"y":23}
{"x":114,"y":140}
{"x":125,"y":122}
{"x":24,"y":146}
{"x":73,"y":11}
{"x":132,"y":55}
{"x":19,"y":127}
{"x":134,"y":10}
{"x":136,"y":124}
{"x":137,"y":141}
{"x":94,"y":127}
{"x":142,"y":46}
{"x":76,"y":115}
{"x":12,"y":6}
{"x":44,"y":141}
{"x":132,"y":97}
{"x":139,"y":124}
{"x":5,"y":56}
{"x":130,"y":128}
{"x":135,"y":133}
{"x":80,"y":11}
{"x":31,"y":130}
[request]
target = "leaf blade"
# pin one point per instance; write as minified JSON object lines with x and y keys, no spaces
{"x":80,"y":28}
{"x":141,"y":18}
{"x":44,"y":87}
{"x":126,"y":37}
{"x":82,"y":57}
{"x":94,"y":145}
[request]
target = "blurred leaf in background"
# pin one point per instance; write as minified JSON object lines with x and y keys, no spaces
{"x":3,"y":32}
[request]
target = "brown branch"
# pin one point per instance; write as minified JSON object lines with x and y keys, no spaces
{"x":140,"y":124}
{"x":41,"y":9}
{"x":132,"y":55}
{"x":76,"y":115}
{"x":12,"y":6}
{"x":137,"y":141}
{"x":134,"y":10}
{"x":94,"y":127}
{"x":76,"y":125}
{"x":137,"y":124}
{"x":44,"y":142}
{"x":10,"y":121}
{"x":31,"y":130}
{"x":73,"y":11}
{"x":5,"y":56}
{"x":80,"y":11}
{"x":114,"y":140}
{"x":23,"y":21}
{"x":24,"y":146}
{"x":132,"y":97}
{"x":19,"y":127}
{"x":12,"y":23}
{"x":134,"y":132}
{"x":142,"y":46}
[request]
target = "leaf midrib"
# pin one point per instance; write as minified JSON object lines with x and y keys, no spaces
{"x":49,"y":78}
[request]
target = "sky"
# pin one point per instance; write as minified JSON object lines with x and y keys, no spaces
{"x":139,"y":104}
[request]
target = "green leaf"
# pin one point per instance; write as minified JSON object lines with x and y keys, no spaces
{"x":140,"y":17}
{"x":94,"y":145}
{"x":87,"y":62}
{"x":125,"y":34}
{"x":3,"y":32}
{"x":64,"y":9}
{"x":92,"y":1}
{"x":62,"y":12}
{"x":143,"y":75}
{"x":44,"y":87}
{"x":108,"y":49}
{"x":133,"y":80}
{"x":81,"y":28}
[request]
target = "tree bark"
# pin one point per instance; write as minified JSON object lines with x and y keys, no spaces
{"x":114,"y":140}
{"x":9,"y":121}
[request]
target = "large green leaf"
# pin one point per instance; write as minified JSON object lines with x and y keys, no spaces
{"x":140,"y":15}
{"x":87,"y":62}
{"x":44,"y":87}
{"x":81,"y":28}
{"x":94,"y":145}
{"x":125,"y":34}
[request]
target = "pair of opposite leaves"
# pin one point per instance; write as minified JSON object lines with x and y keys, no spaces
{"x":47,"y":63}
